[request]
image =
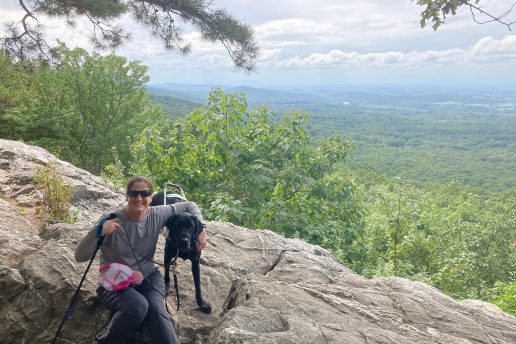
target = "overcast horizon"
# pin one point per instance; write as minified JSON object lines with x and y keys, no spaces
{"x":328,"y":43}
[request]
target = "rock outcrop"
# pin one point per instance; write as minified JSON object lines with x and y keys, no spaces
{"x":263,"y":288}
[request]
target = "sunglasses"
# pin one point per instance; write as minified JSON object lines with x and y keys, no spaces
{"x":142,"y":193}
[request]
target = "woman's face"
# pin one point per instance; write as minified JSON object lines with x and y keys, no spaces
{"x":138,"y":198}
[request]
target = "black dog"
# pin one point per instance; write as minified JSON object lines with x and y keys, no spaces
{"x":182,"y":233}
{"x":183,"y":229}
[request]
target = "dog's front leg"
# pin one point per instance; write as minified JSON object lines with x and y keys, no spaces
{"x":196,"y":273}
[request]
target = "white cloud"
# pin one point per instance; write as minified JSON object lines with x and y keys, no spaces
{"x":292,"y":26}
{"x":487,"y":49}
{"x":492,"y":46}
{"x":214,"y":59}
{"x":267,"y":54}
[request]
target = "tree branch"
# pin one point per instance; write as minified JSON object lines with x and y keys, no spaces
{"x":160,"y":16}
{"x":111,"y":36}
{"x":214,"y":25}
{"x":493,"y":18}
{"x":437,"y":11}
{"x":29,"y":41}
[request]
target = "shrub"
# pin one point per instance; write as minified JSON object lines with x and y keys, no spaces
{"x":504,"y":296}
{"x":56,"y":194}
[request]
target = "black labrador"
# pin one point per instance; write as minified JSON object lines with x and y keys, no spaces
{"x":182,"y":232}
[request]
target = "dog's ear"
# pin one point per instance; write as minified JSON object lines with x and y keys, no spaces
{"x":168,"y":224}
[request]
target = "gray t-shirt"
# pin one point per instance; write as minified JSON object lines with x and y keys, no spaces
{"x":142,"y":236}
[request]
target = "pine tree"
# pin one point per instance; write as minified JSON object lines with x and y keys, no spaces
{"x":164,"y":18}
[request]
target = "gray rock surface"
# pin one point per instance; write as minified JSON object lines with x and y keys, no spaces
{"x":263,"y":288}
{"x":18,"y":166}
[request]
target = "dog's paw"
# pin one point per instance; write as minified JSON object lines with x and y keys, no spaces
{"x":205,"y":307}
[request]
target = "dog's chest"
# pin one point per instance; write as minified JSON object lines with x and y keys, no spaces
{"x":172,"y":250}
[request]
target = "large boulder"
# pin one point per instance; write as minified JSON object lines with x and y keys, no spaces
{"x":263,"y":287}
{"x":18,"y":166}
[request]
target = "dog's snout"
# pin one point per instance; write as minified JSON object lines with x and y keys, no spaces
{"x":184,"y":242}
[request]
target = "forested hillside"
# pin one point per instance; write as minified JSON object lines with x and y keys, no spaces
{"x":424,"y":135}
{"x":173,"y":107}
{"x":264,"y":168}
{"x":437,"y":142}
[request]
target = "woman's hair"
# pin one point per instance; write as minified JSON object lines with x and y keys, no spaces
{"x":139,"y":179}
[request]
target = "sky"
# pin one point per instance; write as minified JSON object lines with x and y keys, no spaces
{"x":327,"y":42}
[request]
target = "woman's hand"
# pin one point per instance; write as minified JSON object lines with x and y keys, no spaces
{"x":138,"y":277}
{"x":110,"y":226}
{"x":202,"y":239}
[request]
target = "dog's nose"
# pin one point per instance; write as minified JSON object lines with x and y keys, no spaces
{"x":184,"y":242}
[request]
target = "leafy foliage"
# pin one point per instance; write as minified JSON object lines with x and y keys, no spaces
{"x":456,"y":240}
{"x":109,"y":101}
{"x":56,"y":194}
{"x":79,"y":111}
{"x":15,"y":98}
{"x":504,"y":296}
{"x":115,"y":172}
{"x":255,"y":169}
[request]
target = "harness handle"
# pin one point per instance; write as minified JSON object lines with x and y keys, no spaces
{"x":177,"y":187}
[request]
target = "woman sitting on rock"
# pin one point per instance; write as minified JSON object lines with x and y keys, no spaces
{"x":131,"y":286}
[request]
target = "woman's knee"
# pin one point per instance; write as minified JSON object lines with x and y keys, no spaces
{"x":156,"y":309}
{"x":140,"y":309}
{"x":135,"y":306}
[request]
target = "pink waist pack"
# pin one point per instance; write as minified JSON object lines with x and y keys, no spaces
{"x":116,"y":276}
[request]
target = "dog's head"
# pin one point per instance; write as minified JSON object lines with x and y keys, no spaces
{"x":183,"y":229}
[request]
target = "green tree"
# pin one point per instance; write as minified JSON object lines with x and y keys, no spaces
{"x":449,"y":237}
{"x":256,"y":169}
{"x":163,"y":18}
{"x":473,"y":234}
{"x":80,"y":111}
{"x":16,"y":95}
{"x":109,"y":105}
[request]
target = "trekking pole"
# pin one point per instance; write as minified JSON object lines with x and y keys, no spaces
{"x":70,"y":306}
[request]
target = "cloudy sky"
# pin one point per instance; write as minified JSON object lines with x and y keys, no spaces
{"x":329,"y":42}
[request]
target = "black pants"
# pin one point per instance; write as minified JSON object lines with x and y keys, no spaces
{"x":133,"y":305}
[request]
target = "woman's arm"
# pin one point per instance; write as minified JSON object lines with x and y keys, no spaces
{"x":188,"y":207}
{"x":106,"y":225}
{"x":86,"y":246}
{"x":202,"y":239}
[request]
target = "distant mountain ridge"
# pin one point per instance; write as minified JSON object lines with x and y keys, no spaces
{"x":384,"y":97}
{"x":255,"y":96}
